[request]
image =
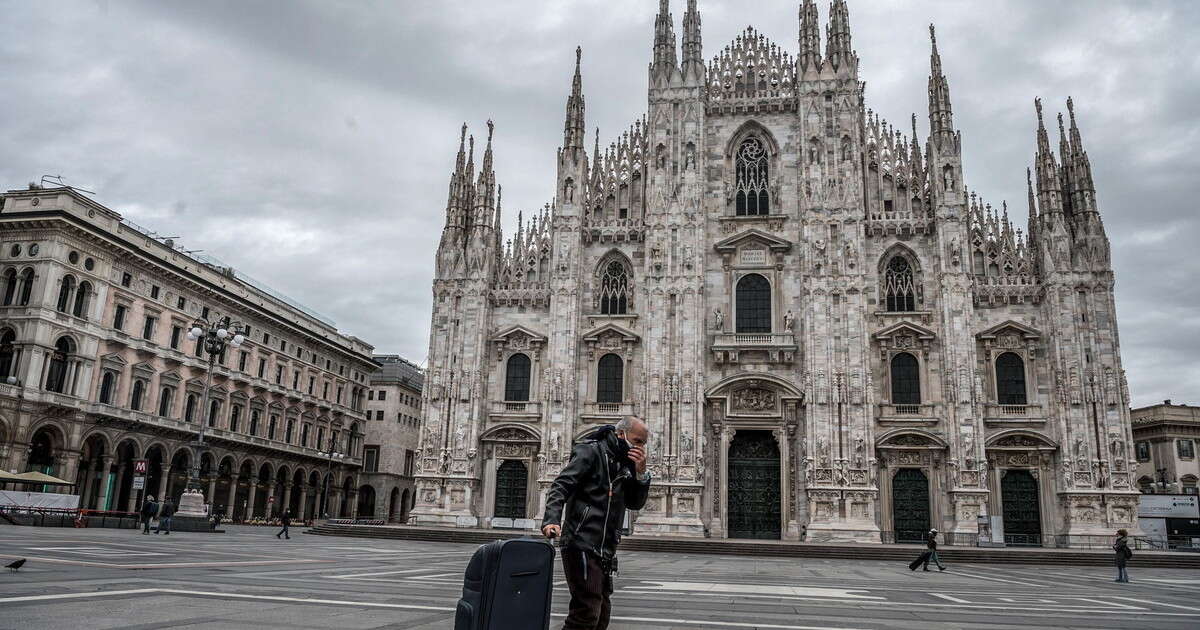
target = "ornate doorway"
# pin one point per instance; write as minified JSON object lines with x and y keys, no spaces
{"x":512,"y":481}
{"x":910,"y":505}
{"x":1022,"y":514}
{"x":754,"y":486}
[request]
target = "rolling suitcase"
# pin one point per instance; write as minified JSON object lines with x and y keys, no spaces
{"x":507,"y":586}
{"x":921,"y":559}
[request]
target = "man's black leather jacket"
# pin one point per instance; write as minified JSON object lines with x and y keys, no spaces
{"x":591,"y":494}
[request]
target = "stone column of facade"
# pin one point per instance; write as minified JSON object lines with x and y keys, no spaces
{"x":69,"y":463}
{"x":105,"y":473}
{"x":212,"y":493}
{"x":302,"y":513}
{"x":132,"y":504}
{"x":229,"y":504}
{"x":287,"y":498}
{"x":250,"y":498}
{"x":163,"y":480}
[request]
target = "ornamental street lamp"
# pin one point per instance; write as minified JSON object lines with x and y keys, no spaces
{"x":329,"y":457}
{"x":213,"y":338}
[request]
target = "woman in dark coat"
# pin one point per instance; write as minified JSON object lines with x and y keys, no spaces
{"x":1121,"y":547}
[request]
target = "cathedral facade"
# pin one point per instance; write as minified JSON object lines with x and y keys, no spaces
{"x":828,"y":334}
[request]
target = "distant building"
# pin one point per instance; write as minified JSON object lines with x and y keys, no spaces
{"x":94,"y":313}
{"x":390,"y":440}
{"x":1165,"y":439}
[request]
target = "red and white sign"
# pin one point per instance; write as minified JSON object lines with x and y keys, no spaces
{"x":141,"y":466}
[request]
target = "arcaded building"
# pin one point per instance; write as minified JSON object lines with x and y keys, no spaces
{"x":93,"y":333}
{"x":825,"y":329}
{"x":390,"y":439}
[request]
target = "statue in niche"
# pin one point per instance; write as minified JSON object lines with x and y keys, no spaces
{"x":541,"y":465}
{"x":556,"y":442}
{"x":719,"y":320}
{"x":444,"y":462}
{"x":689,"y":157}
{"x":822,"y":452}
{"x":686,"y":444}
{"x":569,"y":190}
{"x":808,"y":470}
{"x":789,"y":320}
{"x":948,"y":179}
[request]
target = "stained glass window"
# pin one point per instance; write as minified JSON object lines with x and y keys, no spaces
{"x":752,"y":180}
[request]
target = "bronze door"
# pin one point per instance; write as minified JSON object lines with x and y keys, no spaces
{"x":1022,"y":511}
{"x":512,"y":480}
{"x":754,"y":492}
{"x":910,"y":505}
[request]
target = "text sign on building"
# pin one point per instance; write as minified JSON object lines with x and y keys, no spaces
{"x":1168,"y":506}
{"x":139,"y":483}
{"x":754,"y":256}
{"x":140,"y":466}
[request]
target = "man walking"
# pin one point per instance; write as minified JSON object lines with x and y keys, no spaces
{"x":166,"y":509}
{"x":1121,"y":547}
{"x":586,"y":506}
{"x":931,"y":543}
{"x":287,"y":521}
{"x":149,"y":508}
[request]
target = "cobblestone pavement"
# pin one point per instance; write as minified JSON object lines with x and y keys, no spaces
{"x":97,"y":578}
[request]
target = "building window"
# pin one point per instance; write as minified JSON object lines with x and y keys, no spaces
{"x":312,"y":382}
{"x":610,"y":379}
{"x":614,"y":289}
{"x":214,"y":410}
{"x":81,"y":299}
{"x":379,"y":415}
{"x":289,"y":431}
{"x":26,"y":286}
{"x":181,"y":303}
{"x":325,"y":391}
{"x":283,"y":345}
{"x":906,"y":380}
{"x":176,"y":331}
{"x":1186,"y":448}
{"x":262,"y":367}
{"x":253,"y":422}
{"x":148,"y":328}
{"x":750,"y":165}
{"x":1143,"y":451}
{"x":139,"y":393}
{"x":107,"y":383}
{"x":279,"y":375}
{"x":189,"y":408}
{"x":235,"y":416}
{"x":899,"y":286}
{"x":204,"y":313}
{"x":64,"y":293}
{"x":753,"y":304}
{"x":296,"y":380}
{"x":10,"y":286}
{"x":516,"y":378}
{"x":154,"y":291}
{"x":164,"y":401}
{"x":383,"y":394}
{"x":371,"y":394}
{"x":119,"y":317}
{"x":56,"y":376}
{"x":271,"y":426}
{"x":321,"y":437}
{"x":371,"y":459}
{"x":126,"y":279}
{"x":304,"y":431}
{"x":242,"y":357}
{"x":1010,"y":379}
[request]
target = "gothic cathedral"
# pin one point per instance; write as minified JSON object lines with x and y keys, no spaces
{"x":829,"y":335}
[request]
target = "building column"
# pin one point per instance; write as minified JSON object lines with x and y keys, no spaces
{"x":270,"y":506}
{"x":163,"y":479}
{"x":105,"y":473}
{"x":230,"y":505}
{"x":212,"y":493}
{"x":300,"y":514}
{"x":250,"y":498}
{"x":333,"y":503}
{"x":85,"y":484}
{"x":287,"y":498}
{"x":131,"y":505}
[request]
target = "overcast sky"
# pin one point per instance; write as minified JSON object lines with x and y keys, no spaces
{"x":308,"y":144}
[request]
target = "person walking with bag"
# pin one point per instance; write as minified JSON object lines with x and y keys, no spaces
{"x":286,"y":519}
{"x":166,"y":510}
{"x":149,"y":509}
{"x":931,"y":544}
{"x":1124,"y":553}
{"x":586,"y":506}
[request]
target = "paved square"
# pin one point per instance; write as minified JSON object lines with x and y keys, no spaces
{"x":97,"y":578}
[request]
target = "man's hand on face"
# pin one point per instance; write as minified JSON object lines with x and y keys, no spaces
{"x":637,"y":455}
{"x":551,"y":531}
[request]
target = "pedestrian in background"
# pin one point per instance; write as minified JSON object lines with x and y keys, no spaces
{"x":1124,"y":553}
{"x":286,"y":519}
{"x":166,"y":510}
{"x":149,"y":509}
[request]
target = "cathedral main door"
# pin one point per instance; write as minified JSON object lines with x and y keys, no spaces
{"x":754,"y":492}
{"x":910,"y":505}
{"x":1022,"y":511}
{"x":512,"y":480}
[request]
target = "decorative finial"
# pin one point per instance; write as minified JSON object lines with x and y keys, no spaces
{"x":578,"y":54}
{"x":1037,"y":103}
{"x":1071,"y":109}
{"x":464,"y":133}
{"x":932,"y":34}
{"x":491,"y":127}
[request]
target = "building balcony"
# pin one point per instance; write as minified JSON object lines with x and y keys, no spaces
{"x":607,"y":412}
{"x":923,"y":413}
{"x":1013,"y":414}
{"x":523,"y":410}
{"x":754,"y":347}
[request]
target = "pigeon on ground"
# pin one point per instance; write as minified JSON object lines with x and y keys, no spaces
{"x":15,"y":564}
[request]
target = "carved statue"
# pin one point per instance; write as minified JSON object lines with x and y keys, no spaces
{"x":444,"y":462}
{"x":719,"y":320}
{"x":541,"y":465}
{"x":686,"y":444}
{"x":556,"y":441}
{"x":789,"y":320}
{"x":569,"y":190}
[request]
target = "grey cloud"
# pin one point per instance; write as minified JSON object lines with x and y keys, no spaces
{"x":309,"y":143}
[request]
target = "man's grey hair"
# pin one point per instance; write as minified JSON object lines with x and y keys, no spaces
{"x":626,"y":423}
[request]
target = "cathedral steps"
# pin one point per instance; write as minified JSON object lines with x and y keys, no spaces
{"x":779,"y":549}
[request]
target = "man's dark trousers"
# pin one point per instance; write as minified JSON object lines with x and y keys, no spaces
{"x":590,"y":588}
{"x":145,"y":524}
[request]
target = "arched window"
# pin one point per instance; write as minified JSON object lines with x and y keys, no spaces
{"x":235,"y":416}
{"x":290,"y":431}
{"x":214,"y":408}
{"x":8,"y":354}
{"x":899,"y":287}
{"x":165,"y":398}
{"x":516,"y":378}
{"x":189,"y":408}
{"x":10,"y":286}
{"x":753,"y":304}
{"x":752,"y":182}
{"x":81,"y":298}
{"x":610,"y":383}
{"x":253,"y":422}
{"x":64,"y":293}
{"x":107,"y":384}
{"x":1010,"y":379}
{"x":136,"y":396}
{"x":906,"y":380}
{"x":614,"y":289}
{"x":56,"y":376}
{"x":26,"y":286}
